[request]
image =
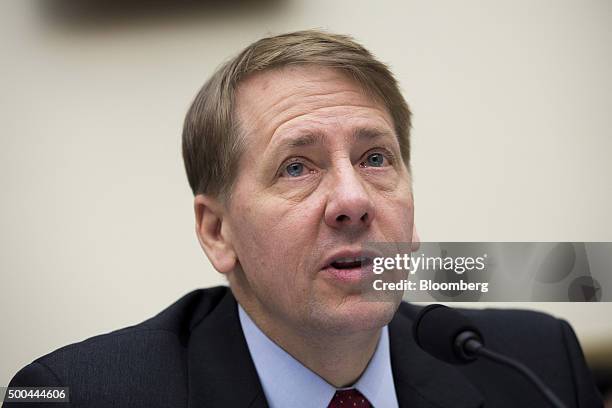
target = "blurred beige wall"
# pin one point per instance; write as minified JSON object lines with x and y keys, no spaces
{"x":512,"y":105}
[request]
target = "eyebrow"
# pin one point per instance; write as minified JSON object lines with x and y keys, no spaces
{"x":371,"y":134}
{"x":314,"y":138}
{"x":307,"y":139}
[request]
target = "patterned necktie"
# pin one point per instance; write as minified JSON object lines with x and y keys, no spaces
{"x":349,"y":399}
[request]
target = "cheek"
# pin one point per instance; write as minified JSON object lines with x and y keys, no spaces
{"x":272,"y":233}
{"x":396,"y":217}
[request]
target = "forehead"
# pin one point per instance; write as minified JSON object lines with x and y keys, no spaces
{"x":276,"y":102}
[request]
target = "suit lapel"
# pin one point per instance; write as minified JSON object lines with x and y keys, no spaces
{"x":222,"y":374}
{"x":220,"y":369}
{"x":421,"y":381}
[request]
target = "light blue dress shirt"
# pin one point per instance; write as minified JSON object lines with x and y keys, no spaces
{"x":287,"y":383}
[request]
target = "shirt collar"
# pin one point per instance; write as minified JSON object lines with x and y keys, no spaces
{"x":288,"y":383}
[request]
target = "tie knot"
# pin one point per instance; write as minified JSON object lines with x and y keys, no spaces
{"x":349,"y":399}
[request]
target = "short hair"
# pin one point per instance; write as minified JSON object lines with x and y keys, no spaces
{"x":212,"y":139}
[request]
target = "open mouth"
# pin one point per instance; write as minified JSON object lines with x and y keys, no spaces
{"x":351,"y":263}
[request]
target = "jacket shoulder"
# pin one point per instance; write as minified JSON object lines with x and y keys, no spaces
{"x":103,"y":367}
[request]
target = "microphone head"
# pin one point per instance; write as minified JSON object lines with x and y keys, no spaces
{"x":442,"y":332}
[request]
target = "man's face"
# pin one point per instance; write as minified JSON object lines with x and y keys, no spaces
{"x":321,"y":175}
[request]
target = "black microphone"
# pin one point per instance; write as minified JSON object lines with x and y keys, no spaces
{"x":450,"y":336}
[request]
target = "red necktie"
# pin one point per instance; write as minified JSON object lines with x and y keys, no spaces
{"x":349,"y":399}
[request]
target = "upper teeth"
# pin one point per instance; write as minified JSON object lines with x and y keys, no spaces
{"x":349,"y":260}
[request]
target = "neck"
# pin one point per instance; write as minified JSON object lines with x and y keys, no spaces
{"x":338,"y":359}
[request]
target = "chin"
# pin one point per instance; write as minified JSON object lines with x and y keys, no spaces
{"x":357,"y":316}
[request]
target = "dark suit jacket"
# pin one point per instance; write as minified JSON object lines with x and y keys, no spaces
{"x":194,"y":354}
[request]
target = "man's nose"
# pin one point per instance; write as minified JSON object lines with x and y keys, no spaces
{"x":349,"y":204}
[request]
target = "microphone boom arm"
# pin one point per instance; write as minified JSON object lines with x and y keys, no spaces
{"x":475,"y":347}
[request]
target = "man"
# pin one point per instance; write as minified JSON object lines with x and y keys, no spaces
{"x":297,"y":152}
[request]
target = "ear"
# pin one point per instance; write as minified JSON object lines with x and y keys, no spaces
{"x":416,"y":240}
{"x":213,"y":235}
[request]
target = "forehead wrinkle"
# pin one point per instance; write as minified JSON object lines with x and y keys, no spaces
{"x":312,"y":122}
{"x":287,"y":108}
{"x":302,"y":98}
{"x":295,"y":86}
{"x":303,"y":88}
{"x":307,"y":133}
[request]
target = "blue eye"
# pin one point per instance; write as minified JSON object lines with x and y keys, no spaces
{"x":376,"y":160}
{"x":295,"y":169}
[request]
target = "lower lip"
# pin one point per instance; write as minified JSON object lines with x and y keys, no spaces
{"x":351,"y":275}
